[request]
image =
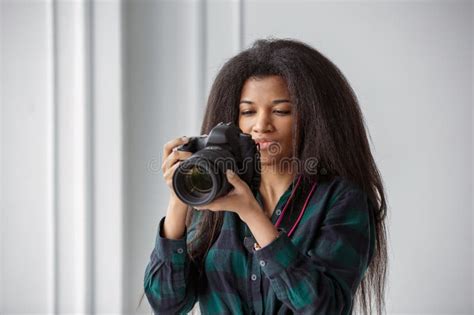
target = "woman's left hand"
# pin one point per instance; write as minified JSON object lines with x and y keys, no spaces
{"x":239,"y":200}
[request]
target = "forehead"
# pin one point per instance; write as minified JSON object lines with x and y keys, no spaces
{"x":267,"y":86}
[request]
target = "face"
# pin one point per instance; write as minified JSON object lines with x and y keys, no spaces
{"x":266,"y":113}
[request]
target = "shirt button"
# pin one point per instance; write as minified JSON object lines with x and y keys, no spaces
{"x":262,"y":263}
{"x":278,"y":211}
{"x":253,"y":277}
{"x":180,"y":250}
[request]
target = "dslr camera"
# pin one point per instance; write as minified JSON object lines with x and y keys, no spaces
{"x":201,"y":178}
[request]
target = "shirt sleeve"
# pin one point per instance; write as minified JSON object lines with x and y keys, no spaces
{"x":324,"y":279}
{"x":170,"y":276}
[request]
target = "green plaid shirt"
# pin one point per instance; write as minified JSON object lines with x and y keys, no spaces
{"x":315,"y":271}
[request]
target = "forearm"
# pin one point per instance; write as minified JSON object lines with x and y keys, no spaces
{"x":175,"y":221}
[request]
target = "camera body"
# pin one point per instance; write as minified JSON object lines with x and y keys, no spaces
{"x":201,"y":178}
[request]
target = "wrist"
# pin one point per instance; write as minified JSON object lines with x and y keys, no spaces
{"x":175,"y":204}
{"x":250,"y":213}
{"x":175,"y":220}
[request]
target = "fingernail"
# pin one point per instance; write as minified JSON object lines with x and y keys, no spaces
{"x":184,"y":138}
{"x":230,"y":173}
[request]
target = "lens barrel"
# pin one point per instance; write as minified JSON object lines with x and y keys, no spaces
{"x":201,"y":178}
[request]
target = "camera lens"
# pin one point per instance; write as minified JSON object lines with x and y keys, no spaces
{"x":201,"y":178}
{"x":198,"y":180}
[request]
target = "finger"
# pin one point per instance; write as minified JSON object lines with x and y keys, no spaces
{"x":168,"y":147}
{"x":234,"y":179}
{"x":173,"y":158}
{"x":168,"y":173}
{"x":169,"y":162}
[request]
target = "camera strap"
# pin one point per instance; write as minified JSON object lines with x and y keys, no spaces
{"x":277,"y":224}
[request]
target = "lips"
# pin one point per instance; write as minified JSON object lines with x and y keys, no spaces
{"x":264,"y":143}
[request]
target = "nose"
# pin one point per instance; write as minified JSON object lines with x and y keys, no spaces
{"x":263,"y":123}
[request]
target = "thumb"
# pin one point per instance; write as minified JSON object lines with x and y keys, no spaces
{"x":233,"y":178}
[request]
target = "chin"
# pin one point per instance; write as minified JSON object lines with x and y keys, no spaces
{"x":269,"y":160}
{"x":275,"y":161}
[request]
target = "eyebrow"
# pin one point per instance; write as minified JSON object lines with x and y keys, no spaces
{"x":274,"y":102}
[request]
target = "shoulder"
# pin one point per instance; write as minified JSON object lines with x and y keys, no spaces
{"x":341,"y":190}
{"x":339,"y":186}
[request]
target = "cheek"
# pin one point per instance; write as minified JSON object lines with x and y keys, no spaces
{"x":244,"y":125}
{"x":289,"y":134}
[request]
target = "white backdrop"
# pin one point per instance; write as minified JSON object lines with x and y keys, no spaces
{"x":91,"y":91}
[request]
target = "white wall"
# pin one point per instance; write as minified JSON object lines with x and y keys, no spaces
{"x":91,"y":93}
{"x":61,"y":169}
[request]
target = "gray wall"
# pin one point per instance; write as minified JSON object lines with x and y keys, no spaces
{"x":91,"y":91}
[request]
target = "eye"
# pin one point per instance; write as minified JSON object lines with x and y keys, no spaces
{"x":282,"y":112}
{"x":246,"y":112}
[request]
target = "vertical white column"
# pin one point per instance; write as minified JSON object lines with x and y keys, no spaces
{"x":74,"y":286}
{"x":106,"y":80}
{"x":90,"y":156}
{"x":52,"y":155}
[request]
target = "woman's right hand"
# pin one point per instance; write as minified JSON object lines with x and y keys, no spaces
{"x":171,"y":160}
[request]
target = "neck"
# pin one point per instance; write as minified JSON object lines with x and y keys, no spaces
{"x":272,"y":186}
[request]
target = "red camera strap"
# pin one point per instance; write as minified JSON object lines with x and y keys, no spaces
{"x":277,"y":224}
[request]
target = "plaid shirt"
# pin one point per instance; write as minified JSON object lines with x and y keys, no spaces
{"x":315,"y":271}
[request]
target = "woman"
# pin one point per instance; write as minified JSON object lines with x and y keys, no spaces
{"x":312,"y":239}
